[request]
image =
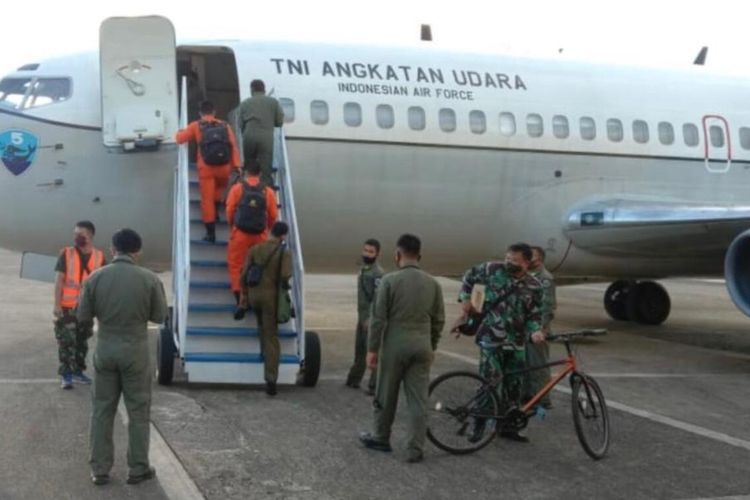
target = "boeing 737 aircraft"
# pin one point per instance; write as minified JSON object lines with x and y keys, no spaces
{"x":620,"y":173}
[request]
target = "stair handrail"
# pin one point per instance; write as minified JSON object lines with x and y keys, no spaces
{"x":289,"y":215}
{"x":181,"y":234}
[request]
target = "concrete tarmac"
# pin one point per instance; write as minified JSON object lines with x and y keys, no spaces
{"x":678,"y":393}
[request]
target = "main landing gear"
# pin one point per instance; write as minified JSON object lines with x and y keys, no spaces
{"x":645,"y":302}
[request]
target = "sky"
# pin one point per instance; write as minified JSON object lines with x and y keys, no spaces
{"x":637,"y":32}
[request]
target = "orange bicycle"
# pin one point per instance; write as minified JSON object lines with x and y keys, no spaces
{"x":466,"y":411}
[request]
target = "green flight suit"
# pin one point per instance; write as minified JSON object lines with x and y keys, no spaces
{"x":259,"y":115}
{"x":124,"y":298}
{"x":367,"y":285}
{"x":407,"y":319}
{"x":538,"y":354}
{"x":263,"y":298}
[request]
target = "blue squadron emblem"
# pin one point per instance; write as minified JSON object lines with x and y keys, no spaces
{"x":18,"y":149}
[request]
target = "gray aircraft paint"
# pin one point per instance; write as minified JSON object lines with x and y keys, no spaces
{"x":468,"y":195}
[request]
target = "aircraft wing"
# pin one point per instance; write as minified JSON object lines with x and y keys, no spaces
{"x":655,"y":228}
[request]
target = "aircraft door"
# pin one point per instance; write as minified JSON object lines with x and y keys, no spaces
{"x":138,"y":82}
{"x":717,"y":144}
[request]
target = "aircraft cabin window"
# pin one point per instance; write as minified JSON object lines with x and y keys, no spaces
{"x":690,"y":134}
{"x":534,"y":125}
{"x":417,"y":118}
{"x":666,"y":133}
{"x":588,"y":128}
{"x":640,"y":131}
{"x":287,"y":105}
{"x":13,"y":91}
{"x":352,"y":114}
{"x":447,"y":119}
{"x":477,"y":122}
{"x":319,"y":112}
{"x":507,"y":124}
{"x":745,"y":137}
{"x":560,"y":127}
{"x":614,"y":130}
{"x":384,"y":116}
{"x":48,"y":91}
{"x":716,"y":134}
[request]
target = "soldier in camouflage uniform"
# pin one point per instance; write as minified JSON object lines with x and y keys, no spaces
{"x":538,"y":354}
{"x":513,"y":315}
{"x":73,"y":267}
{"x":367,"y":283}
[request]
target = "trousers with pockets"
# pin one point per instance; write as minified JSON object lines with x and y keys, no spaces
{"x":121,"y":368}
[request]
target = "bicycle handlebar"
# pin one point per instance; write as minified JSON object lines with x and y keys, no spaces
{"x":566,"y":336}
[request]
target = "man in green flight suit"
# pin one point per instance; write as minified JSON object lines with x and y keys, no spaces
{"x":262,"y":299}
{"x":124,"y":297}
{"x":407,"y":319}
{"x":367,"y":284}
{"x":537,"y":354}
{"x":512,"y":311}
{"x":259,"y":114}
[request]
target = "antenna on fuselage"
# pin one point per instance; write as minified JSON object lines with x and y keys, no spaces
{"x":426,"y":33}
{"x":701,"y":59}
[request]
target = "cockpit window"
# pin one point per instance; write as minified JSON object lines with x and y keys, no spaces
{"x":13,"y":91}
{"x":25,"y":93}
{"x":48,"y":91}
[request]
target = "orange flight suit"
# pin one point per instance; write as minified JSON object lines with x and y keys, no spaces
{"x":212,"y":179}
{"x":241,"y":242}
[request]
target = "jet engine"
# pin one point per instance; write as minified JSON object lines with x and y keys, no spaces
{"x":737,"y":271}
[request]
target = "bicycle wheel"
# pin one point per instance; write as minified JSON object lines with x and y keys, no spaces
{"x":590,"y":416}
{"x":463,"y":412}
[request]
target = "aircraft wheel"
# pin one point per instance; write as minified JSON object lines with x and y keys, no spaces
{"x":648,"y":303}
{"x":165,"y":354}
{"x":310,"y":369}
{"x":616,"y":300}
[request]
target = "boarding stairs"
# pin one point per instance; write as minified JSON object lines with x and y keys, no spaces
{"x":202,"y":333}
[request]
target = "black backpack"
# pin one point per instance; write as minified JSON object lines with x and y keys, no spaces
{"x":251,"y":212}
{"x":215,"y":147}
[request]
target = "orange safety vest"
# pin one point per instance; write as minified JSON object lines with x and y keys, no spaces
{"x":74,"y":276}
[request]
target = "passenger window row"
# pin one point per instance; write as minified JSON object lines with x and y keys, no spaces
{"x":416,"y":118}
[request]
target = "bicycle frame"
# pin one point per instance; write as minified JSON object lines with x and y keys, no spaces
{"x":570,"y":366}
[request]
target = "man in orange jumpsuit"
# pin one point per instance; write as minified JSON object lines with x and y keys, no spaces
{"x":251,"y":211}
{"x":217,"y":154}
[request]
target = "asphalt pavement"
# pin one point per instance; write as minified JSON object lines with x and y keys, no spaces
{"x":678,"y":393}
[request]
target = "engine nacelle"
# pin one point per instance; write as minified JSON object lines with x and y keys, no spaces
{"x":737,"y":271}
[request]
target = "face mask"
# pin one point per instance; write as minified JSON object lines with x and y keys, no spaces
{"x":368,"y":260}
{"x":80,"y":241}
{"x":513,"y":268}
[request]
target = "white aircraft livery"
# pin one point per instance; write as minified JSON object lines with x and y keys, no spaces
{"x":620,"y":173}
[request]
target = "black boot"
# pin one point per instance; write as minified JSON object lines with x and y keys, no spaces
{"x":236,"y":297}
{"x":219,"y":207}
{"x":210,"y":232}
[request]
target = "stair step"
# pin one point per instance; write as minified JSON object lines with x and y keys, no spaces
{"x":221,"y":285}
{"x":197,"y":201}
{"x":208,"y":331}
{"x":194,"y":165}
{"x":196,"y":184}
{"x":211,"y":308}
{"x":199,"y":221}
{"x":208,"y":263}
{"x":233,"y":357}
{"x":209,"y":244}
